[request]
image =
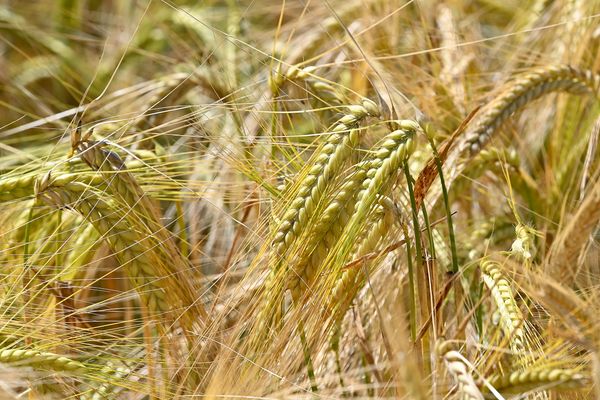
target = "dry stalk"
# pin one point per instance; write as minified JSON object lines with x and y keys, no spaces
{"x":566,"y":249}
{"x":522,"y":91}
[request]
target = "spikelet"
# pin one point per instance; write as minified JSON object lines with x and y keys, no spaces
{"x":18,"y":187}
{"x":128,"y":194}
{"x":523,"y":245}
{"x":324,"y":91}
{"x":107,"y":388}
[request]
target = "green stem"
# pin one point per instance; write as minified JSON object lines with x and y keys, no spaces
{"x":310,"y":370}
{"x":438,"y":164}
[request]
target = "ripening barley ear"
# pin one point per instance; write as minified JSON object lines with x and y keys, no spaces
{"x":40,"y":360}
{"x":511,"y":318}
{"x":393,"y":151}
{"x":352,"y":279}
{"x":341,"y":143}
{"x":125,"y":242}
{"x":324,"y":234}
{"x":572,"y":239}
{"x":516,"y":94}
{"x":458,"y":366}
{"x":186,"y":271}
{"x":130,"y":196}
{"x":538,"y":379}
{"x":522,"y":91}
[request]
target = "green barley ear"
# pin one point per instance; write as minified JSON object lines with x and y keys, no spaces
{"x":538,"y":378}
{"x":340,"y":144}
{"x":383,"y":169}
{"x":385,"y":165}
{"x":322,"y":171}
{"x":516,"y":94}
{"x":125,"y":189}
{"x":326,"y":231}
{"x":40,"y":360}
{"x":351,"y":279}
{"x":109,"y":387}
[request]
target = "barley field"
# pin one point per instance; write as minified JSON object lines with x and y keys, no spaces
{"x":299,"y":199}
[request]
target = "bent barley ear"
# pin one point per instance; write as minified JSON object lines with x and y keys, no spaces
{"x":522,"y":91}
{"x":459,"y":368}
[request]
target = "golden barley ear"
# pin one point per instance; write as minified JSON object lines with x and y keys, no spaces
{"x":459,"y":368}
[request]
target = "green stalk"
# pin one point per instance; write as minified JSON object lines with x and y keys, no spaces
{"x":438,"y":164}
{"x":310,"y":370}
